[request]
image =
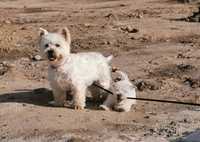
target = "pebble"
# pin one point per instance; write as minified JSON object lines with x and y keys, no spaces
{"x":37,"y":58}
{"x":23,"y":28}
{"x":24,"y":105}
{"x":130,"y":29}
{"x":7,"y":22}
{"x":87,"y":25}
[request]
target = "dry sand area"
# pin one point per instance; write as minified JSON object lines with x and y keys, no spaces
{"x":160,"y":52}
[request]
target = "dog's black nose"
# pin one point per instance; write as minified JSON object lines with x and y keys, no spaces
{"x":51,"y":55}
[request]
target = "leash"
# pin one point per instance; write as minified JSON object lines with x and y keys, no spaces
{"x":151,"y":100}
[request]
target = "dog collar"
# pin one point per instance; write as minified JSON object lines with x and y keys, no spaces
{"x":56,"y":67}
{"x":53,"y":67}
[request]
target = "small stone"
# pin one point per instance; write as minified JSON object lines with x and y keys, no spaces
{"x":172,"y":123}
{"x":3,"y":137}
{"x":23,"y":28}
{"x":152,"y":113}
{"x":139,"y":16}
{"x":109,"y":15}
{"x":180,"y":55}
{"x":122,"y":5}
{"x":23,"y":105}
{"x":197,"y":99}
{"x":25,"y":59}
{"x":133,"y":38}
{"x":11,"y":65}
{"x":185,"y":120}
{"x":129,"y":29}
{"x":7,"y":22}
{"x":87,"y":25}
{"x":4,"y":125}
{"x":4,"y":63}
{"x":37,"y":58}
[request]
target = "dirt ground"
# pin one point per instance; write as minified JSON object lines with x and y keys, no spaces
{"x":159,"y":51}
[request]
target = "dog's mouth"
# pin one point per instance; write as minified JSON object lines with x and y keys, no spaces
{"x":51,"y":55}
{"x":51,"y":59}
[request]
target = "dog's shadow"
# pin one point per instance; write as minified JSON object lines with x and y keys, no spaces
{"x":41,"y":97}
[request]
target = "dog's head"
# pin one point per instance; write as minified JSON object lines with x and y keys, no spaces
{"x":55,"y":47}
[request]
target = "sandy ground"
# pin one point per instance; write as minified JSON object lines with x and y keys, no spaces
{"x":158,"y":51}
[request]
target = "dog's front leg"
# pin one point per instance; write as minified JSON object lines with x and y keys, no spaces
{"x":79,"y":98}
{"x":59,"y":97}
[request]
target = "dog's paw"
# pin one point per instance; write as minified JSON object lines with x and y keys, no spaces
{"x":77,"y":107}
{"x":103,"y":107}
{"x":53,"y":103}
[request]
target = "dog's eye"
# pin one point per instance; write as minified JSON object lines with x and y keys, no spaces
{"x":46,"y":45}
{"x":57,"y":45}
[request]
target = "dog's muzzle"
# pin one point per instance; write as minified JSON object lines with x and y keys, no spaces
{"x":51,"y":55}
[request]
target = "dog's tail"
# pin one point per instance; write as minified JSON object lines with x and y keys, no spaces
{"x":109,"y":58}
{"x":123,"y":75}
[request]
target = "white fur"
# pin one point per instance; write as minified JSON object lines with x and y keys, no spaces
{"x":74,"y":72}
{"x":123,"y":89}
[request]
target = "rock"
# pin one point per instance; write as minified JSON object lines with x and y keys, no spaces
{"x":24,"y":59}
{"x":122,"y":5}
{"x":3,"y":137}
{"x":147,"y":84}
{"x":87,"y":25}
{"x":24,"y":105}
{"x":180,"y":55}
{"x":197,"y":99}
{"x":192,"y":82}
{"x":192,"y":137}
{"x":23,"y":28}
{"x":4,"y":68}
{"x":188,"y":1}
{"x":185,"y":67}
{"x":195,"y":17}
{"x":7,"y":22}
{"x":37,"y":58}
{"x":129,"y":29}
{"x":109,"y":15}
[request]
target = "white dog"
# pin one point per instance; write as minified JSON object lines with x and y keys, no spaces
{"x":123,"y":89}
{"x":75,"y":72}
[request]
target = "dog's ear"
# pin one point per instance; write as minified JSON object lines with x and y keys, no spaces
{"x":66,"y":34}
{"x":43,"y":32}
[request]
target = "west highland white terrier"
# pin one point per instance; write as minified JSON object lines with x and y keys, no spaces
{"x":72,"y":71}
{"x":123,"y":89}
